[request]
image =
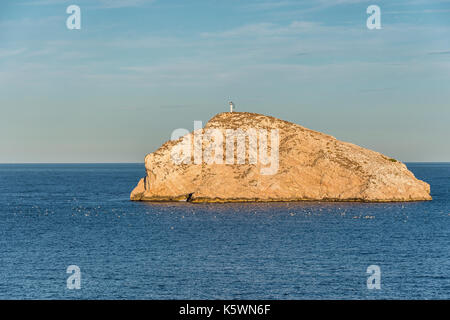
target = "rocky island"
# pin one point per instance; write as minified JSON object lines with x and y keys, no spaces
{"x":300,"y":164}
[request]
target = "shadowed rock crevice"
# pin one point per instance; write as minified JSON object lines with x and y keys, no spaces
{"x":189,"y":197}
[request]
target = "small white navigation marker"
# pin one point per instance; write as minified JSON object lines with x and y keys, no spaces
{"x":231,"y":106}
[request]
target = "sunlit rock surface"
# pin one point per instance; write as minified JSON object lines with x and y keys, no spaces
{"x":311,"y":166}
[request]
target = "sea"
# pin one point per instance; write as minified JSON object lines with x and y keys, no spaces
{"x":57,"y":216}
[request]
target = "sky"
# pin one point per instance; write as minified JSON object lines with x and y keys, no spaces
{"x":117,"y":88}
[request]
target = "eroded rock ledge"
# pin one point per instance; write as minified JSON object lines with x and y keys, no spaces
{"x":311,"y":166}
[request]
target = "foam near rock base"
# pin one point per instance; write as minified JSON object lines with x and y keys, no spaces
{"x":310,"y":166}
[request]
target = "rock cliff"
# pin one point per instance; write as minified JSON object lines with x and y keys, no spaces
{"x":309,"y":166}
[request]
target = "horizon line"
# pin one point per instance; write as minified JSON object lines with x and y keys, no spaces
{"x":11,"y":163}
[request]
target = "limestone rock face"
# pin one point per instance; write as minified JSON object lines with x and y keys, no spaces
{"x":309,"y":166}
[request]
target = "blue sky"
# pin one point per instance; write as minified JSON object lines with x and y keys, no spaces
{"x":116,"y":89}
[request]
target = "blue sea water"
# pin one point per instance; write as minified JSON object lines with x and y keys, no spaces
{"x":56,"y":215}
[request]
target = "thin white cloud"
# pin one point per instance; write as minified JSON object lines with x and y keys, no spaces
{"x":266,"y":5}
{"x":147,"y":42}
{"x":100,"y":3}
{"x":11,"y":52}
{"x":28,"y":22}
{"x":424,"y":11}
{"x":264,"y":29}
{"x":44,"y":2}
{"x":447,"y":52}
{"x":124,"y":3}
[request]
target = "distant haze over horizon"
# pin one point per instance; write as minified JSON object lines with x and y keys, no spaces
{"x":115,"y":90}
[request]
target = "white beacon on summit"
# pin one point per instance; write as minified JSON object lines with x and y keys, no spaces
{"x":231,"y":106}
